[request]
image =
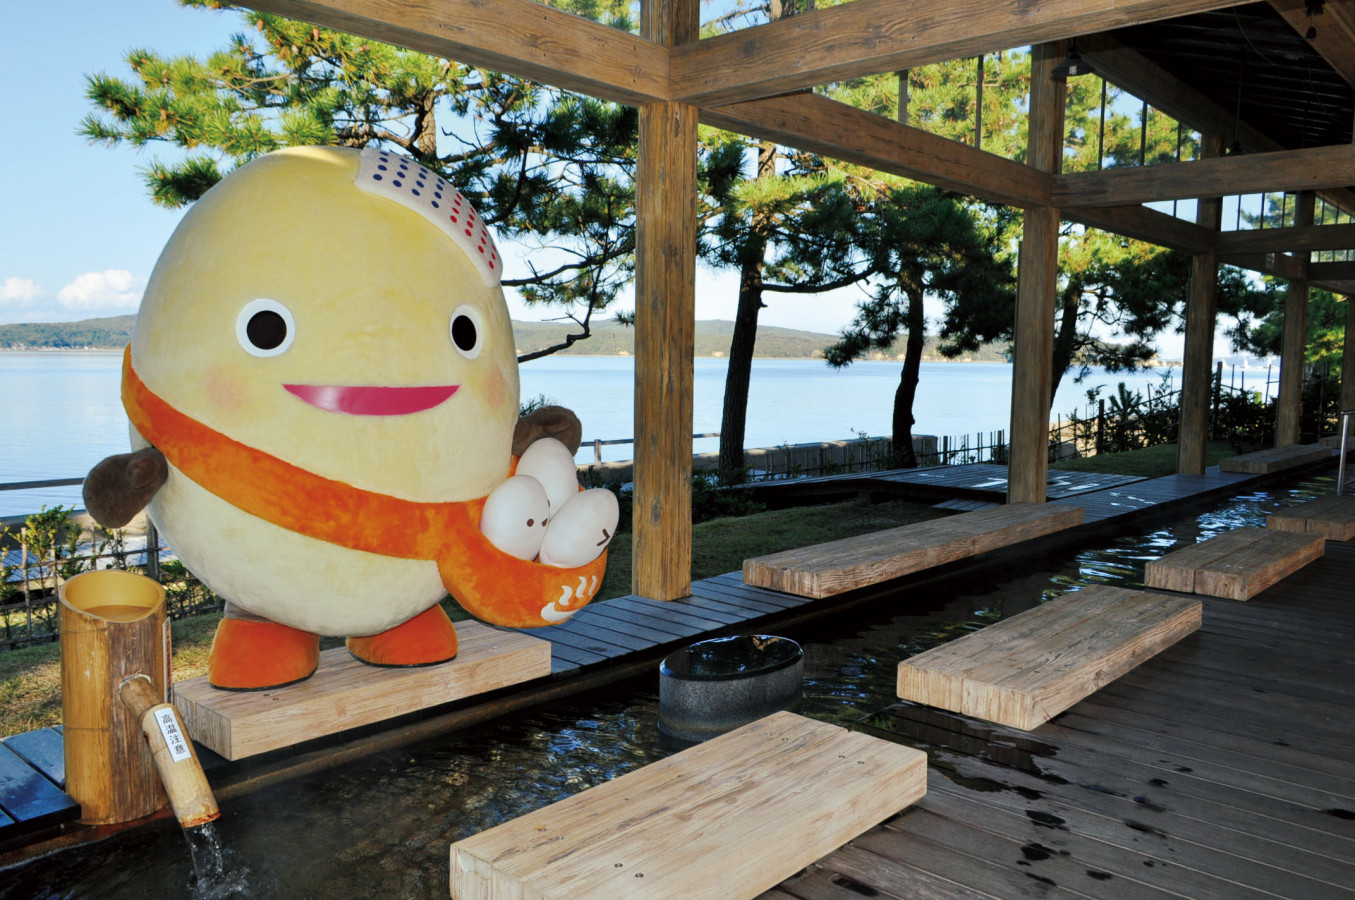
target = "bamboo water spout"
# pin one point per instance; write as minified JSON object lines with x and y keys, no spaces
{"x":189,"y":793}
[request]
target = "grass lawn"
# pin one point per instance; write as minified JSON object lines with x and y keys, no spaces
{"x":1150,"y":462}
{"x":30,"y":679}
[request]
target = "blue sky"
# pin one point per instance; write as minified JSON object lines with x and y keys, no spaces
{"x":80,"y":235}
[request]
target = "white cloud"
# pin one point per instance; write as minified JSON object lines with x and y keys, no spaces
{"x":20,"y":291}
{"x":109,"y":291}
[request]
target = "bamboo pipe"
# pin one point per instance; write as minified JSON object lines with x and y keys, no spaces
{"x":173,"y":752}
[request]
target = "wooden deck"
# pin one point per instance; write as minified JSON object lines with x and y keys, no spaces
{"x":1222,"y":768}
{"x":602,"y":643}
{"x":1275,"y":459}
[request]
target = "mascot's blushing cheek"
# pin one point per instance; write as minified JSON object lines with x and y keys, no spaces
{"x":495,"y":387}
{"x":228,"y":396}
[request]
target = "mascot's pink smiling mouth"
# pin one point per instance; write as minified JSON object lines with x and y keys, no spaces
{"x":372,"y":401}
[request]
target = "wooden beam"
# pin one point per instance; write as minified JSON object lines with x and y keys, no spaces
{"x":866,"y":37}
{"x":1144,"y":224}
{"x":1335,"y":24}
{"x":1201,"y":322}
{"x":1331,"y":271}
{"x":1291,"y":239}
{"x":665,"y":328}
{"x":519,"y":37}
{"x":819,"y":125}
{"x":1037,"y":287}
{"x":1288,"y":170}
{"x":1133,"y":72}
{"x":1281,"y":265}
{"x":1289,"y":398}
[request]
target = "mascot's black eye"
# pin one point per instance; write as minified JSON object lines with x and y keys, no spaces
{"x":265,"y":328}
{"x":465,"y":330}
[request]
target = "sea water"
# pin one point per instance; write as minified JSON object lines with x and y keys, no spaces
{"x":62,"y":412}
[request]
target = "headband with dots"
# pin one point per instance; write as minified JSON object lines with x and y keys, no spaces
{"x":415,"y":187}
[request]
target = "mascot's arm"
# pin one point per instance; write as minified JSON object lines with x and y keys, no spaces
{"x":118,"y":488}
{"x":548,"y":421}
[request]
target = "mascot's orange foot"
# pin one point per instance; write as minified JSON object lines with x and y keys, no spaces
{"x":424,"y":640}
{"x":252,"y":656}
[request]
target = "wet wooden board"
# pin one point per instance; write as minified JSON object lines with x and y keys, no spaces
{"x":30,"y":800}
{"x":1025,"y":670}
{"x":1331,"y":516}
{"x":824,"y":570}
{"x":345,"y":694}
{"x":1236,"y":565}
{"x":43,"y":750}
{"x":1275,"y":459}
{"x":782,"y":791}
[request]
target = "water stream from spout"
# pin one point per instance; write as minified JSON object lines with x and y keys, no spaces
{"x":215,"y":876}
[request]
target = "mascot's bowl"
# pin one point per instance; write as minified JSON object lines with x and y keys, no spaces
{"x":718,"y":685}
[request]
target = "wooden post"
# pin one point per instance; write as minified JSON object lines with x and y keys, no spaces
{"x":665,"y":324}
{"x":113,"y":626}
{"x":1037,"y":285}
{"x":1289,"y":401}
{"x":1201,"y":321}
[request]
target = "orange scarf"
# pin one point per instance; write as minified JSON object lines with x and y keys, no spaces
{"x":488,"y":583}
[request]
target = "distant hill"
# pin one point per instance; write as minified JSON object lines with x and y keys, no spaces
{"x":608,"y":338}
{"x":111,"y":333}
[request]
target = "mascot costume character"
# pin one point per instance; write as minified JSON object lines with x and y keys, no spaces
{"x":323,"y":394}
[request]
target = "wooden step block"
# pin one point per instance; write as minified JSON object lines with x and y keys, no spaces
{"x":831,"y":568}
{"x":1331,"y":516}
{"x":1025,"y":670}
{"x":344,"y":693}
{"x":723,"y":820}
{"x":1236,"y":565}
{"x":1276,"y":459}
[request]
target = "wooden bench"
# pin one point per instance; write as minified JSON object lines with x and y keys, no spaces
{"x":344,"y":693}
{"x":726,"y":819}
{"x":1276,"y":459}
{"x":823,"y":570}
{"x":1331,"y":516}
{"x":1236,"y":565}
{"x":1025,"y":670}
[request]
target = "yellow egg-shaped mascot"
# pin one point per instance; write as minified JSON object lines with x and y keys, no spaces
{"x":323,"y":392}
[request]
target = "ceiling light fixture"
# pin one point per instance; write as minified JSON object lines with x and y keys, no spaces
{"x":1072,"y":66}
{"x":1314,"y":8}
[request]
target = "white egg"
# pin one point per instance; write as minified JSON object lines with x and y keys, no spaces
{"x":551,"y":463}
{"x":515,"y":515}
{"x":580,"y":531}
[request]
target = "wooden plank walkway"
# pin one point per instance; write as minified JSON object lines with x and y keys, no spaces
{"x":1223,"y":768}
{"x":781,"y":791}
{"x":972,"y":481}
{"x":1026,"y":669}
{"x":634,"y":633}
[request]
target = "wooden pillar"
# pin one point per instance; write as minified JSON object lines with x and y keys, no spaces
{"x":1201,"y":320}
{"x":1037,"y":287}
{"x":1295,"y":337}
{"x":665,"y":324}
